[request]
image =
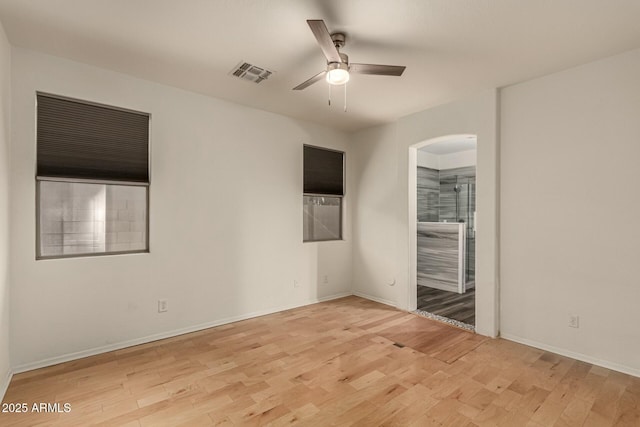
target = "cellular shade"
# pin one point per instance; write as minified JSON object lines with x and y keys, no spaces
{"x":323,"y":171}
{"x":86,"y":141}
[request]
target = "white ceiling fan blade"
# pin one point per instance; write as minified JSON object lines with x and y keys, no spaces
{"x":311,"y":81}
{"x":381,"y":70}
{"x":323,"y":37}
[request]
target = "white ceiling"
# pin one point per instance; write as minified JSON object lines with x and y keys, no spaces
{"x":452,"y":145}
{"x":451,"y":47}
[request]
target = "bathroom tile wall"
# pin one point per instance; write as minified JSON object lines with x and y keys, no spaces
{"x":437,"y":201}
{"x":438,"y":256}
{"x":428,"y":184}
{"x":465,"y":178}
{"x":471,"y":261}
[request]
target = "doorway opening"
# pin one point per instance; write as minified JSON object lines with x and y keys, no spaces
{"x":445,"y":229}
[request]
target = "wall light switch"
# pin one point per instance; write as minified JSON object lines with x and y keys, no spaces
{"x":163,"y":305}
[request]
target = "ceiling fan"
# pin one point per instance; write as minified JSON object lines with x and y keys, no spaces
{"x":338,"y":66}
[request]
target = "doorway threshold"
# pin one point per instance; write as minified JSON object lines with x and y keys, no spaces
{"x":452,"y":322}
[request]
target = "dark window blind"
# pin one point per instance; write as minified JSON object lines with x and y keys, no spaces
{"x":85,"y":141}
{"x":323,"y":171}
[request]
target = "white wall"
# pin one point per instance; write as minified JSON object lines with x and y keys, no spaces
{"x":428,"y":160}
{"x":382,"y":259}
{"x":570,"y":211}
{"x":5,"y":116}
{"x":458,"y":160}
{"x":225,"y":221}
{"x":447,"y":161}
{"x":375,"y":214}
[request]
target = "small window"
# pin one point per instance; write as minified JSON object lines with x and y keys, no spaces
{"x":323,"y":194}
{"x":92,"y":179}
{"x":79,"y":218}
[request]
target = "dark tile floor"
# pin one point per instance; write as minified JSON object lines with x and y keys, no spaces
{"x":461,"y":307}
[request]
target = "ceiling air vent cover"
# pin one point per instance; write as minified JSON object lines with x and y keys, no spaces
{"x":246,"y":71}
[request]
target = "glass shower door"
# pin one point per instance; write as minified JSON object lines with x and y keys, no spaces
{"x":465,"y":209}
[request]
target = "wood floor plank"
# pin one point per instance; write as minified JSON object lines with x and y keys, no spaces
{"x":345,"y":362}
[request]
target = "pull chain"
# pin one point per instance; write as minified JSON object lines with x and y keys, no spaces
{"x":330,"y":95}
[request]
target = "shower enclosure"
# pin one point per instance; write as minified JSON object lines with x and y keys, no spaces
{"x":464,"y":189}
{"x":446,"y":196}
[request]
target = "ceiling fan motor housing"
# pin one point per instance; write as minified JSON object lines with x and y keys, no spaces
{"x":338,"y":40}
{"x":337,"y":66}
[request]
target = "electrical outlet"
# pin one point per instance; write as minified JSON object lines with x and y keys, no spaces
{"x":296,"y":284}
{"x":163,"y":306}
{"x":325,"y":279}
{"x":574,"y":321}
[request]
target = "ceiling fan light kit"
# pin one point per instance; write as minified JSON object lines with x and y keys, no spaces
{"x":337,"y":73}
{"x":339,"y":69}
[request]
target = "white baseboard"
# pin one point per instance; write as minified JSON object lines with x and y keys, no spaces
{"x":578,"y":356}
{"x":376,"y":299}
{"x":4,"y":385}
{"x":331,"y":297}
{"x":170,"y":334}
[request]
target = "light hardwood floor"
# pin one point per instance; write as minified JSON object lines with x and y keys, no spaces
{"x":343,"y":362}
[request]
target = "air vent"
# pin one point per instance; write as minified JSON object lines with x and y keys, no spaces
{"x":246,"y":71}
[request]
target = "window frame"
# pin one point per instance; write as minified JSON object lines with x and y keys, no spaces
{"x":39,"y":179}
{"x":341,"y":197}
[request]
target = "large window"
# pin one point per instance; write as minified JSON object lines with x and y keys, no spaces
{"x":92,"y":179}
{"x":323,"y":194}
